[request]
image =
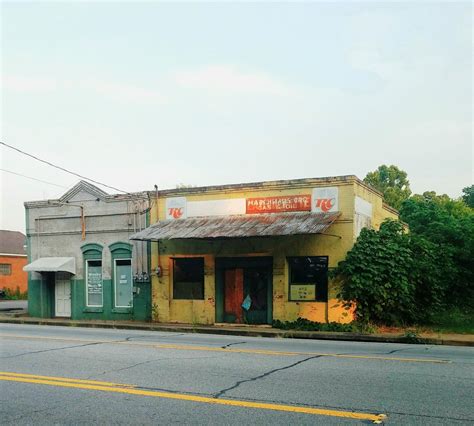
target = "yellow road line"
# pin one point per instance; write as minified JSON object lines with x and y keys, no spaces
{"x":376,"y":418}
{"x":234,"y":350}
{"x":63,"y":379}
{"x":263,"y":352}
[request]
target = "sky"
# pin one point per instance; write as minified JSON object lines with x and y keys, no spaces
{"x":134,"y":94}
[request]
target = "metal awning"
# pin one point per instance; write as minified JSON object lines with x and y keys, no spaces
{"x":251,"y":225}
{"x":52,"y":264}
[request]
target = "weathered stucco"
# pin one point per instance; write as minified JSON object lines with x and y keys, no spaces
{"x":54,"y":229}
{"x":338,"y":239}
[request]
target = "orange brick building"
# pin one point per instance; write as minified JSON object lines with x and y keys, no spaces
{"x":12,"y":260}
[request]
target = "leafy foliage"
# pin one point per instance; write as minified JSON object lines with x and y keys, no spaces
{"x":468,"y":195}
{"x":392,"y":182}
{"x":391,"y":275}
{"x":14,"y":294}
{"x":307,"y":325}
{"x":447,"y":227}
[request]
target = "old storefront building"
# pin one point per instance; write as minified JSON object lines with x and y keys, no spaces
{"x":82,"y":264}
{"x":254,"y":253}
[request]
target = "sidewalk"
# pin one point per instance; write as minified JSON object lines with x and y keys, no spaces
{"x":253,"y":331}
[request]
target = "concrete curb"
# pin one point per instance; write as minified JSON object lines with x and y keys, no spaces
{"x":252,"y":332}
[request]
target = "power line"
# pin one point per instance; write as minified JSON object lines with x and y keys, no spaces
{"x":32,"y":178}
{"x":66,"y":170}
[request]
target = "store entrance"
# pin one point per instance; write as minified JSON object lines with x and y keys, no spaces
{"x":244,"y":290}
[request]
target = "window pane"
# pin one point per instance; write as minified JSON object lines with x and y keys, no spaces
{"x":308,"y":278}
{"x":94,"y":283}
{"x":188,"y":278}
{"x":5,"y":269}
{"x":123,"y":283}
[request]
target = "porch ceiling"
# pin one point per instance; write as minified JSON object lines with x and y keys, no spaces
{"x":237,"y":226}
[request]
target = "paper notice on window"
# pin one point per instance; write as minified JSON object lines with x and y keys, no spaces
{"x":303,"y":292}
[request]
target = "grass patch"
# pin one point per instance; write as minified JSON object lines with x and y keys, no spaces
{"x":455,"y":320}
{"x":304,"y":324}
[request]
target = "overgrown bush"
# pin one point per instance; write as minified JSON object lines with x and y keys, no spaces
{"x":392,"y":276}
{"x":304,"y":324}
{"x":15,"y":294}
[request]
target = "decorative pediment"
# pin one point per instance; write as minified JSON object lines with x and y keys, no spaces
{"x":83,"y":191}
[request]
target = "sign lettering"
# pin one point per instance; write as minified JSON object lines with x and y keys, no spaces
{"x":286,"y":203}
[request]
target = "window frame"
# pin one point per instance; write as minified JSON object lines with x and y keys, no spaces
{"x":130,"y":306}
{"x":87,"y":283}
{"x":202,"y":281}
{"x":325,"y":283}
{"x":92,"y":251}
{"x":9,"y":265}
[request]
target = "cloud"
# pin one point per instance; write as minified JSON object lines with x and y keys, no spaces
{"x":28,"y":84}
{"x":125,"y":92}
{"x":229,"y":79}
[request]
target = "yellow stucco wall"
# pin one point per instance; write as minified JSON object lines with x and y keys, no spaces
{"x":335,"y":245}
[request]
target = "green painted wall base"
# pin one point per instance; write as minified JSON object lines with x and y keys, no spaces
{"x":41,"y":301}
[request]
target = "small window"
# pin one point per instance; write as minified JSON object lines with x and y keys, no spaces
{"x":5,"y":269}
{"x":94,"y":294}
{"x":308,"y":278}
{"x":123,"y":283}
{"x":188,"y":278}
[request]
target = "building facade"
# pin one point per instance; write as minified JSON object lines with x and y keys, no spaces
{"x":81,"y":263}
{"x":12,"y":260}
{"x":254,"y":253}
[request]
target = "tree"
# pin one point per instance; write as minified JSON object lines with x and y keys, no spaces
{"x":468,"y":195}
{"x":448,"y":226}
{"x":392,"y":183}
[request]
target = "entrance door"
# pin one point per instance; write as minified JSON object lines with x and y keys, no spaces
{"x":62,"y":291}
{"x":244,"y":290}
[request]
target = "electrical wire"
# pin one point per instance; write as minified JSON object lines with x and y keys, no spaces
{"x":66,"y":170}
{"x":32,"y":178}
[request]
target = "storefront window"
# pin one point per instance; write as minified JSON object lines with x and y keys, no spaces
{"x":188,"y":278}
{"x":308,"y":278}
{"x":94,"y":283}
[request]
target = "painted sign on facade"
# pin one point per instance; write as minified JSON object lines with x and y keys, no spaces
{"x":226,"y":207}
{"x":363,"y":215}
{"x":287,"y":203}
{"x":176,"y":208}
{"x":325,"y":200}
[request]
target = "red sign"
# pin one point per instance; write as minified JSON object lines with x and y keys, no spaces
{"x":175,"y":212}
{"x":286,"y":203}
{"x":325,"y":204}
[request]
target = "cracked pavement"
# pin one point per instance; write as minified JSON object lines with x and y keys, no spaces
{"x":408,"y":392}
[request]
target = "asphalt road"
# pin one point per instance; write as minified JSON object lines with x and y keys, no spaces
{"x":64,"y":375}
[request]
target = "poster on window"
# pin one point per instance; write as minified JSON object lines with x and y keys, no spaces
{"x":302,"y":292}
{"x":95,"y":281}
{"x":325,"y":200}
{"x":94,"y":284}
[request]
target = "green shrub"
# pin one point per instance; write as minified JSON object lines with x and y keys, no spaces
{"x":15,"y":294}
{"x":304,"y":324}
{"x":393,"y":277}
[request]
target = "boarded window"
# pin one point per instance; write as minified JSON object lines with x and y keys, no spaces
{"x":5,"y":269}
{"x":94,"y":283}
{"x":123,"y":283}
{"x":308,"y":278}
{"x":188,"y":278}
